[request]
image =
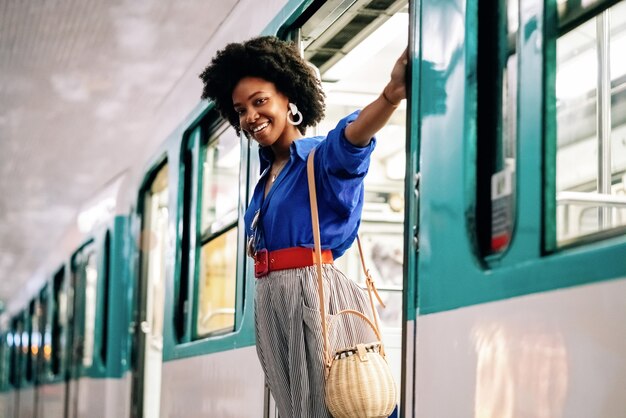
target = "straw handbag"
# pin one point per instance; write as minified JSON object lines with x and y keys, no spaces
{"x":359,"y":383}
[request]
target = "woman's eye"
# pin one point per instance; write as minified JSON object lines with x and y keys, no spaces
{"x":240,"y":111}
{"x":261,"y":101}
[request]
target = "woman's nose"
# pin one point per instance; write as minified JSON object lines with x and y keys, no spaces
{"x":251,"y":116}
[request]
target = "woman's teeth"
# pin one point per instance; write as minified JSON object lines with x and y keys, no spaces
{"x":260,"y":127}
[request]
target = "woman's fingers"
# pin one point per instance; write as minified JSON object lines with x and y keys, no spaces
{"x":397,"y":87}
{"x":404,"y":58}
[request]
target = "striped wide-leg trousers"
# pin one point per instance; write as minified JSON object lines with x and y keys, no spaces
{"x":289,"y":334}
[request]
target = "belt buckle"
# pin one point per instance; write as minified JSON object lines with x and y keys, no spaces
{"x":261,"y":265}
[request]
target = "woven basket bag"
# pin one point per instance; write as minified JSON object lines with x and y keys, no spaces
{"x":359,"y":383}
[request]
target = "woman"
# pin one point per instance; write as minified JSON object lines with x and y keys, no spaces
{"x":267,"y":91}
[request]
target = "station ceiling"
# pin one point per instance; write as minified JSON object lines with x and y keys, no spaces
{"x":86,"y":89}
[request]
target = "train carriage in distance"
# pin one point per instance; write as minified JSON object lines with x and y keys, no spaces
{"x":494,"y":225}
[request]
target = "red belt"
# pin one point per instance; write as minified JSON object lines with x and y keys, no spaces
{"x":287,"y":258}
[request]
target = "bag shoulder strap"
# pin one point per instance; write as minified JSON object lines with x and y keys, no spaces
{"x":371,"y":288}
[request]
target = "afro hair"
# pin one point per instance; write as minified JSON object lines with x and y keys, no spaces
{"x":273,"y":60}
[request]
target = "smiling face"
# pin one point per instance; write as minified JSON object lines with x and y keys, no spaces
{"x":262,"y":111}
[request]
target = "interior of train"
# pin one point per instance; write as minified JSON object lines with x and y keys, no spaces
{"x":591,"y":125}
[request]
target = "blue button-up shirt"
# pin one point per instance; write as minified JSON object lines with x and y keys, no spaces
{"x":285,"y":213}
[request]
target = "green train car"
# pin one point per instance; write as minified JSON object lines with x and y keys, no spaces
{"x":494,"y":224}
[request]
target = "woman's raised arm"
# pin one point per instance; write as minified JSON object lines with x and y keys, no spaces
{"x":376,"y":114}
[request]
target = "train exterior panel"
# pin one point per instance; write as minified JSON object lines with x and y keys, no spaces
{"x":230,"y":384}
{"x":552,"y":354}
{"x":102,"y":398}
{"x":8,"y":400}
{"x":26,"y":402}
{"x":51,"y":401}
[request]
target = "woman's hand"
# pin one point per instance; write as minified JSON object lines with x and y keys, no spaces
{"x":376,"y":114}
{"x":395,"y":90}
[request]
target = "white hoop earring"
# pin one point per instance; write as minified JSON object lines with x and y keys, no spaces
{"x":293,"y":110}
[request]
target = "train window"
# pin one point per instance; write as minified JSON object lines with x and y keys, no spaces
{"x":4,"y":360}
{"x":26,"y":342}
{"x":20,"y":338}
{"x":90,"y":277}
{"x":188,"y":163}
{"x":105,"y":299}
{"x":83,"y":304}
{"x":44,"y":332}
{"x":16,"y":342}
{"x":157,"y":218}
{"x":220,"y":181}
{"x":218,"y":271}
{"x":217,"y":279}
{"x":590,"y":93}
{"x":33,"y":339}
{"x":59,"y":315}
{"x":354,"y":49}
{"x":496,"y":124}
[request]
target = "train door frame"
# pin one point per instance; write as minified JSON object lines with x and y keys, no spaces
{"x":76,"y":305}
{"x":19,"y":328}
{"x":141,"y":327}
{"x":43,"y":364}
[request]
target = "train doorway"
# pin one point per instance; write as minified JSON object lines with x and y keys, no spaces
{"x":153,"y":241}
{"x":354,"y":46}
{"x":82,"y":320}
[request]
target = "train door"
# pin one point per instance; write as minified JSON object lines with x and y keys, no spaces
{"x":522,"y":268}
{"x":5,"y":366}
{"x":43,"y":351}
{"x":28,"y":404}
{"x":81,"y":317}
{"x":17,"y":328}
{"x":146,"y":390}
{"x":354,"y":45}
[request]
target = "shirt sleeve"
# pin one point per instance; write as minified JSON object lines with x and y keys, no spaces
{"x":342,"y":167}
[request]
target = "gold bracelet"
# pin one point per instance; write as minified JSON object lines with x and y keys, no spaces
{"x":389,"y":101}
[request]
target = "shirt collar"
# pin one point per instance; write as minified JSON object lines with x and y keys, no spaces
{"x":300,"y":148}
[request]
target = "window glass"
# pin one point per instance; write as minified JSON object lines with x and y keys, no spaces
{"x":16,"y":357}
{"x":90,"y":274}
{"x":26,"y":365}
{"x":105,"y":300}
{"x":496,"y":130}
{"x":44,"y":332}
{"x":157,"y":216}
{"x":217,"y":284}
{"x":217,"y":270}
{"x":220,"y":181}
{"x":591,"y":125}
{"x":59,"y":315}
{"x":34,"y":312}
{"x":181,"y":307}
{"x":5,"y":358}
{"x":2,"y":360}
